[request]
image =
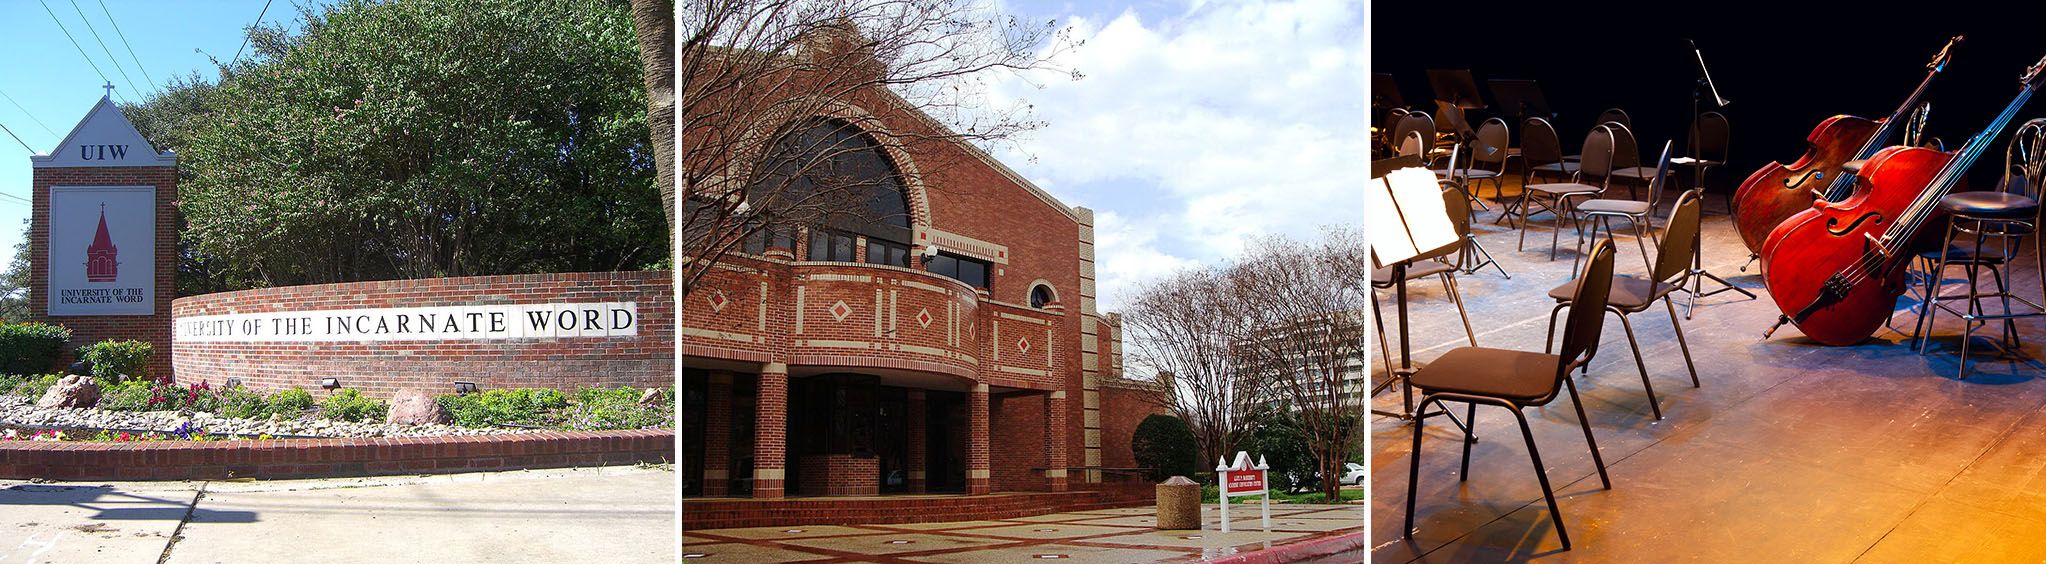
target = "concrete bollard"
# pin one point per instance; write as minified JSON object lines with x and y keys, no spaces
{"x":1179,"y":504}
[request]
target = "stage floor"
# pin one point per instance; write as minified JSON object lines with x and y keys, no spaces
{"x":1796,"y":451}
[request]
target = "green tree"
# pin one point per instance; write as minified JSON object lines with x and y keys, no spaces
{"x":424,"y":138}
{"x":14,"y":286}
{"x":1277,"y":439}
{"x":1164,"y":444}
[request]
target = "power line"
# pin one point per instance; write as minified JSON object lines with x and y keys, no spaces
{"x":245,"y":36}
{"x":17,"y":138}
{"x":125,"y":44}
{"x":74,"y":40}
{"x":103,"y":47}
{"x":31,"y":115}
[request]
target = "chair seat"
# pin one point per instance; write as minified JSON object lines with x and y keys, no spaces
{"x":1565,"y":168}
{"x":1499,"y":373}
{"x":1630,"y":293}
{"x":1563,"y":188}
{"x":1383,"y":277}
{"x":1615,"y":207}
{"x":1637,"y":172}
{"x":1992,"y":205}
{"x":1962,"y":255}
{"x":1461,"y":173}
{"x":1573,"y":158}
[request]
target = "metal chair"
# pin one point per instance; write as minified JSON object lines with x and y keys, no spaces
{"x":1487,"y":147}
{"x":1514,"y":380}
{"x":1419,"y":121}
{"x":1602,"y":211}
{"x":1627,"y":166}
{"x":1632,"y":294}
{"x":1611,"y":115}
{"x":1709,"y":138}
{"x":1541,"y":154}
{"x":1556,"y":198}
{"x":2007,"y":215}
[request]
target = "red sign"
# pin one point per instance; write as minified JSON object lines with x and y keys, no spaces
{"x":1245,"y":482}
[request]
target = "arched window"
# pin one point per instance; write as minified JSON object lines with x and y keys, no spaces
{"x":1040,"y":296}
{"x":829,"y":175}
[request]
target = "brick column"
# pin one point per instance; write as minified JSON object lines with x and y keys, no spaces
{"x":1055,"y":441}
{"x":916,"y":441}
{"x":977,"y":444}
{"x":717,"y":434}
{"x":770,"y":431}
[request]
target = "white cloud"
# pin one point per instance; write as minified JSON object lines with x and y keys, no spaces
{"x":1188,"y":135}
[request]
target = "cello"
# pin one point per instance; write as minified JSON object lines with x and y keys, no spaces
{"x":1775,"y":192}
{"x":1836,"y":269}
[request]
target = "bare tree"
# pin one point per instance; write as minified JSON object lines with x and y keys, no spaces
{"x":756,"y":75}
{"x":1300,"y":328}
{"x":1178,"y":328}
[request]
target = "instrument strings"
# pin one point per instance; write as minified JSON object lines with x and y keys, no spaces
{"x":1915,"y":215}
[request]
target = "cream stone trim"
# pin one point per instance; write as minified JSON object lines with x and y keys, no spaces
{"x":836,"y":344}
{"x":825,"y":277}
{"x":775,"y":368}
{"x":1024,"y":371}
{"x":926,"y":287}
{"x":981,"y":473}
{"x":961,"y":244}
{"x":802,"y":296}
{"x":769,"y":473}
{"x":763,"y":308}
{"x":719,"y":335}
{"x":1023,"y":318}
{"x":1058,"y":394}
{"x":1055,"y":473}
{"x":980,"y":388}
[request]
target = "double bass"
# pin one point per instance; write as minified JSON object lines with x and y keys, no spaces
{"x":1836,"y":269}
{"x":1775,"y":192}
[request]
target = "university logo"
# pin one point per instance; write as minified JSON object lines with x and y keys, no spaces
{"x":100,"y":258}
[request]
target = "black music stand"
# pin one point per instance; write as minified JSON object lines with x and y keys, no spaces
{"x":1404,"y":222}
{"x":1520,"y":97}
{"x":1456,"y":86}
{"x":1698,"y":274}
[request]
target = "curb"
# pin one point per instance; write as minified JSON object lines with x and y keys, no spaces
{"x":1296,"y":552}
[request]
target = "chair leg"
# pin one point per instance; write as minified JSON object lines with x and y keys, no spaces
{"x":1638,"y":364}
{"x":1470,"y":429}
{"x":1555,"y":514}
{"x":1384,"y":351}
{"x":1681,"y":345}
{"x":1414,"y":469}
{"x":1556,"y":235}
{"x":1920,"y":331}
{"x":1640,"y":234}
{"x":1585,"y":422}
{"x":1449,"y":283}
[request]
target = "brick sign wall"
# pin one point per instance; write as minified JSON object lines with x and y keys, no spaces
{"x":618,"y":349}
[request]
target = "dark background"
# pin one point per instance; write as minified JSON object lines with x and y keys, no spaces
{"x":1784,"y":67}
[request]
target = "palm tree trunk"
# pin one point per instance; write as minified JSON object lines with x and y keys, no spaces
{"x":654,"y":22}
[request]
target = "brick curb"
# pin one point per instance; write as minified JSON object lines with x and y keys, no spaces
{"x":1296,"y":552}
{"x":330,"y":458}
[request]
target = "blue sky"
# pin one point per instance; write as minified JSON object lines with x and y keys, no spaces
{"x":1198,"y":124}
{"x":53,"y":84}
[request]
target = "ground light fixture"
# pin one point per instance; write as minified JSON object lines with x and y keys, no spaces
{"x":234,"y":382}
{"x":330,"y":383}
{"x":465,"y":387}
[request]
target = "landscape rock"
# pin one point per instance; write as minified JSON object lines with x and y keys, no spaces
{"x":415,"y":407}
{"x":72,"y":391}
{"x":650,"y":396}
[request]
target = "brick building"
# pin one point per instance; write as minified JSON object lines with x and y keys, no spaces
{"x":944,"y":341}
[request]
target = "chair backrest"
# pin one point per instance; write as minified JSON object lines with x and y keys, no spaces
{"x":2024,"y":160}
{"x":1615,"y":114}
{"x":1598,"y":154}
{"x":1626,"y":151}
{"x":1490,"y":143}
{"x":1709,"y":137}
{"x":1539,"y":143}
{"x":1413,"y":145}
{"x":1416,"y":121}
{"x":1655,"y":184}
{"x":1587,"y":311}
{"x":1680,"y":238}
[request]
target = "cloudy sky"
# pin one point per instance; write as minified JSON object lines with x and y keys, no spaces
{"x":1196,"y":125}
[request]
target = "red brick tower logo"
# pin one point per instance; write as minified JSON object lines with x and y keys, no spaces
{"x":100,"y":263}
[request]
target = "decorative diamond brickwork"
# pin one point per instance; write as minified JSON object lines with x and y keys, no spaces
{"x":839,"y":310}
{"x":718,"y":301}
{"x":923,"y":318}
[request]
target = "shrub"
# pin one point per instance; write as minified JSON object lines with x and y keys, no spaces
{"x":34,"y":387}
{"x":112,"y":360}
{"x":239,"y":402}
{"x":1165,"y":447}
{"x":617,"y":408}
{"x":9,"y":381}
{"x":290,"y":401}
{"x":132,"y":395}
{"x":1278,"y":439}
{"x":491,"y":407}
{"x":31,"y":348}
{"x":350,"y":405}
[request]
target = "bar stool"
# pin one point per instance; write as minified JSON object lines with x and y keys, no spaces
{"x":2005,"y":216}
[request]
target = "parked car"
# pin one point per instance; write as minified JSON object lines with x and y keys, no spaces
{"x":1353,"y":473}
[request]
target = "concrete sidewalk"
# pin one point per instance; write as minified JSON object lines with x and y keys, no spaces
{"x":620,"y":514}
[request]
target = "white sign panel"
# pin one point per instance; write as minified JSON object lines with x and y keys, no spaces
{"x":103,"y":138}
{"x":446,"y":323}
{"x":102,"y":250}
